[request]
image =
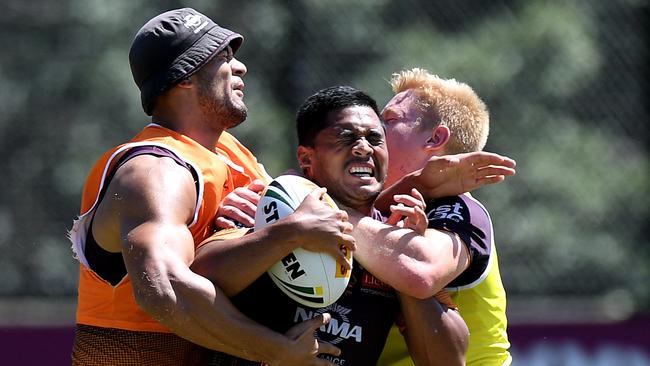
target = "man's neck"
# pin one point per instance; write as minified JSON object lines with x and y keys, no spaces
{"x":364,"y":209}
{"x":200,"y":131}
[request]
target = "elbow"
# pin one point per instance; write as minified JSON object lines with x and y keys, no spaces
{"x":418,"y":289}
{"x":426,"y":273}
{"x":421,"y":284}
{"x":423,"y":280}
{"x":157,"y":301}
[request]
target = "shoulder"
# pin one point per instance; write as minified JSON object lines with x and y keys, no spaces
{"x":463,"y":209}
{"x":466,"y":217}
{"x":153,"y":183}
{"x":146,"y":189}
{"x":152,"y":170}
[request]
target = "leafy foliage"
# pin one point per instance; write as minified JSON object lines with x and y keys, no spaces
{"x":564,"y":83}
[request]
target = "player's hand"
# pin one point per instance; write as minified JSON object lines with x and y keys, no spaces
{"x":409,"y":212}
{"x":323,"y":228}
{"x":452,"y":175}
{"x":239,"y":206}
{"x":306,"y":347}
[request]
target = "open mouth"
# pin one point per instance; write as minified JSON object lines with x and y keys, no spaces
{"x":361,"y":171}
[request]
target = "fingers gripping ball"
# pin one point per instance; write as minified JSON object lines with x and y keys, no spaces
{"x":310,"y":278}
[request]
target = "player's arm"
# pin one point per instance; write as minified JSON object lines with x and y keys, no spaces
{"x":434,"y":333}
{"x":233,"y":264}
{"x":418,"y":265}
{"x":451,"y":175}
{"x":152,"y":201}
{"x":413,"y":259}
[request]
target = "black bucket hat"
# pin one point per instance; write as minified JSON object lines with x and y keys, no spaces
{"x":173,"y":46}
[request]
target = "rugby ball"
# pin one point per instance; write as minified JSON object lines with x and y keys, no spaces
{"x":310,"y":278}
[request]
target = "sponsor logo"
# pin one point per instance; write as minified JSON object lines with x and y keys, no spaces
{"x":451,"y":212}
{"x":370,"y":281}
{"x":339,"y":327}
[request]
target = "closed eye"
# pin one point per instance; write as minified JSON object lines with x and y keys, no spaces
{"x":389,"y":116}
{"x":375,"y":138}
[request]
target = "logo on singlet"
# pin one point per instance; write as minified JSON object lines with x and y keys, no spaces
{"x":339,"y":327}
{"x":451,"y":212}
{"x":370,"y":281}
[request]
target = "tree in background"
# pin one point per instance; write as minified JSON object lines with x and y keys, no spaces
{"x":564,"y":83}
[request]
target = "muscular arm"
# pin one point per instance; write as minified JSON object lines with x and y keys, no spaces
{"x":148,"y":205}
{"x":413,"y":264}
{"x":435,"y":334}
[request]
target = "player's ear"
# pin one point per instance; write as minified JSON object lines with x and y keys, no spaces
{"x":439,"y":137}
{"x":304,"y":158}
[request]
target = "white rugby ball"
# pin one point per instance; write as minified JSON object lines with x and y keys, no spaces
{"x":310,"y":278}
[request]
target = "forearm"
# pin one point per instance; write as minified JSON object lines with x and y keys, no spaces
{"x":435,"y":334}
{"x":416,"y":265}
{"x":388,"y":253}
{"x":195,"y":309}
{"x":247,"y":257}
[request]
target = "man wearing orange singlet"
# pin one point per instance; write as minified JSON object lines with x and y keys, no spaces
{"x":149,"y":202}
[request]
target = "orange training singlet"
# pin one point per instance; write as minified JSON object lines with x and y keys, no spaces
{"x":100,"y":303}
